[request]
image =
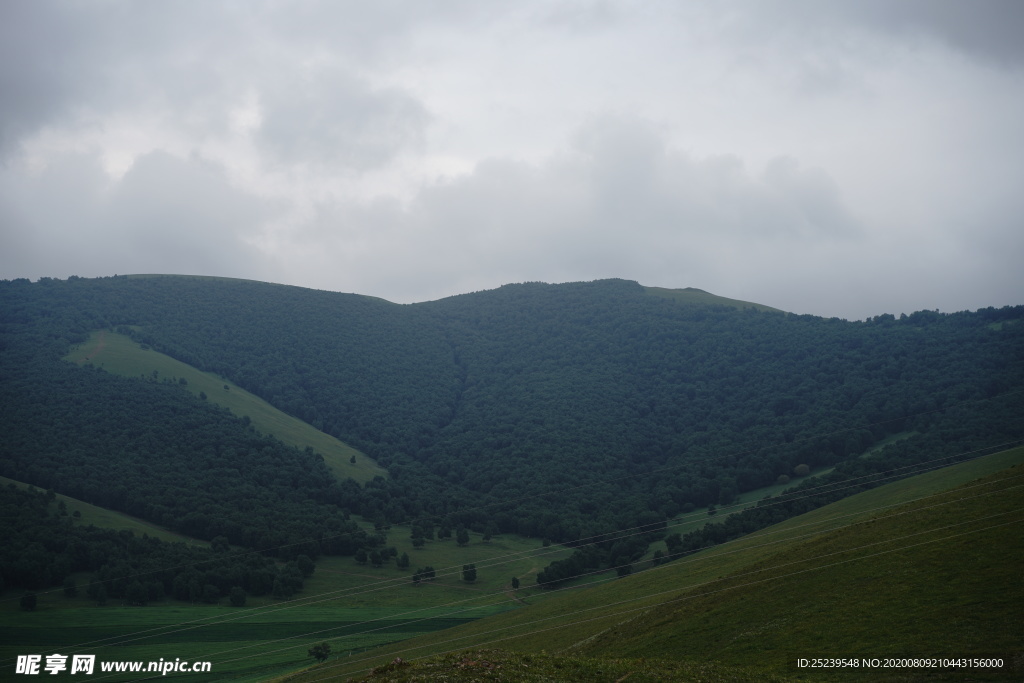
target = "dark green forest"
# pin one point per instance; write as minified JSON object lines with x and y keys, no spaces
{"x":44,"y":545}
{"x":555,"y":411}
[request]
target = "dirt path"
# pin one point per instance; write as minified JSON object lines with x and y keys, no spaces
{"x":101,"y":343}
{"x":511,"y":593}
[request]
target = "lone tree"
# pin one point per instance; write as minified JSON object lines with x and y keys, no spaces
{"x":462,"y":536}
{"x":320,"y":652}
{"x":515,"y":582}
{"x":469,"y":573}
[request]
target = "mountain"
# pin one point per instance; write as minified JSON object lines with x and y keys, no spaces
{"x":557,"y":411}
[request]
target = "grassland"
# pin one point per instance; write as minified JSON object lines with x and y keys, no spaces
{"x":914,"y":567}
{"x":354,"y":606}
{"x":118,"y":354}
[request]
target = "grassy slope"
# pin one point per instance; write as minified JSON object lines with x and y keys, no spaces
{"x":108,"y":519}
{"x":801,"y":614}
{"x":118,"y":354}
{"x":917,"y":582}
{"x":691,"y":295}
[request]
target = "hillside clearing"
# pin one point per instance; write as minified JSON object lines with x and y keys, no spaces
{"x":119,"y":354}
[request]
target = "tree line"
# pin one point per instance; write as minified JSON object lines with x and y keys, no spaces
{"x":45,"y":547}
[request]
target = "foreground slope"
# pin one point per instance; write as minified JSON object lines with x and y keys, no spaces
{"x":935,"y":580}
{"x":873,"y":575}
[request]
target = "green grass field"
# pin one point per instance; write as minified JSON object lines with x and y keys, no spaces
{"x":354,"y":606}
{"x":776,"y":594}
{"x":118,"y":354}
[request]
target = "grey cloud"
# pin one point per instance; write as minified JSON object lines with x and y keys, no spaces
{"x":990,"y":29}
{"x":896,"y":142}
{"x":621,"y":201}
{"x":367,"y":32}
{"x":164,"y":215}
{"x":36,"y":78}
{"x":187,"y":60}
{"x":182,"y":212}
{"x":331,"y":117}
{"x":638,"y":178}
{"x":810,"y":199}
{"x":987,"y":29}
{"x":62,"y":60}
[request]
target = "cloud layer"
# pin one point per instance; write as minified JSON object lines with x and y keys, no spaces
{"x":828,"y":157}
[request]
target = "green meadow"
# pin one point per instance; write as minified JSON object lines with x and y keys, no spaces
{"x":119,"y":354}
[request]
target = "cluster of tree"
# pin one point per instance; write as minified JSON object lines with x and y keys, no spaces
{"x":555,"y":411}
{"x":616,"y":551}
{"x":44,"y":547}
{"x":379,"y":556}
{"x":425,"y":574}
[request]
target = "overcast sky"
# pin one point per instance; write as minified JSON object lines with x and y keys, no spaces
{"x":836,"y":158}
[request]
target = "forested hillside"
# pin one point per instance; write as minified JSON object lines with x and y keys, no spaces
{"x":559,"y":411}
